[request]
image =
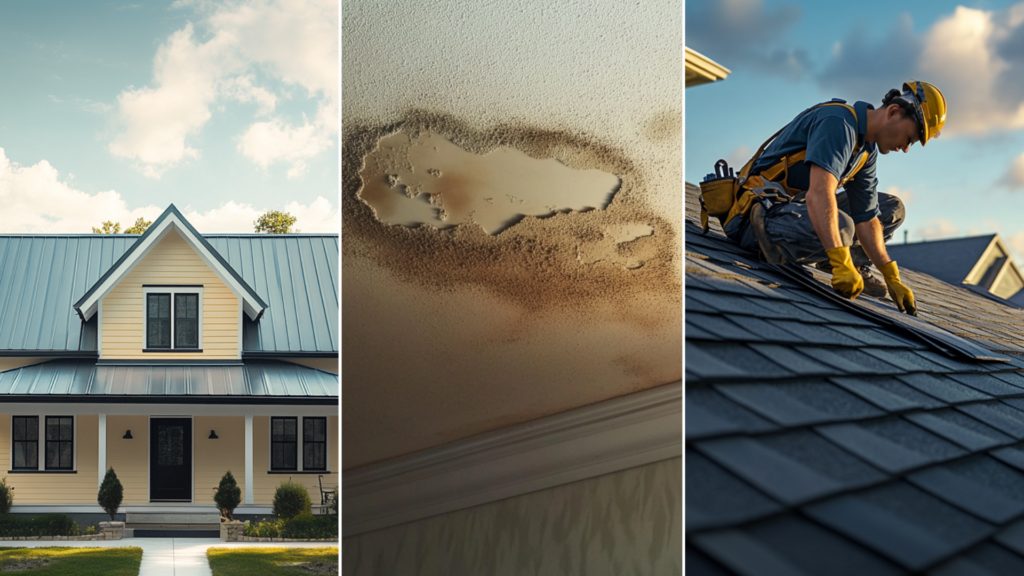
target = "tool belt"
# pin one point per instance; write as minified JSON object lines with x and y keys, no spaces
{"x":724,"y":195}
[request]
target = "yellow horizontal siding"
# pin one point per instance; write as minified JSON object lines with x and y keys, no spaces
{"x":172,"y":261}
{"x":215,"y":457}
{"x":130,"y":458}
{"x":79,"y":488}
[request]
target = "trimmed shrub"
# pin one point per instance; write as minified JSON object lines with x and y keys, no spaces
{"x":44,"y":525}
{"x":228,"y":495}
{"x":265,"y":529}
{"x":6,"y":496}
{"x":91,"y":530}
{"x":309,"y":526}
{"x":110,"y":493}
{"x":291,"y":499}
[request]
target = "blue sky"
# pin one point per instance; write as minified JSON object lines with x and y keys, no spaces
{"x":113,"y":110}
{"x":787,"y":56}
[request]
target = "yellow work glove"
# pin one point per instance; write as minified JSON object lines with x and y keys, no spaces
{"x":845,"y":278}
{"x":899,"y":293}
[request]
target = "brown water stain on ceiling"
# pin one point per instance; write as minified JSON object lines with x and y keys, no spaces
{"x":624,"y":257}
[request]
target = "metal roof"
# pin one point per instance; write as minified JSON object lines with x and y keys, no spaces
{"x":822,"y":440}
{"x":41,"y":277}
{"x":86,"y":378}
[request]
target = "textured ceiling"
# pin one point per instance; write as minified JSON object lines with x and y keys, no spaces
{"x":453,"y":332}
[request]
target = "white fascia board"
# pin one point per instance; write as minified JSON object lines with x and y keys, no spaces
{"x":112,"y":409}
{"x":251,"y":307}
{"x":976,"y":269}
{"x":617,"y":434}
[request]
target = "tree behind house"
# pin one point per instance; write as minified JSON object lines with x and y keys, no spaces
{"x":140,"y":226}
{"x":110,"y":493}
{"x":275,"y":222}
{"x":109,"y":227}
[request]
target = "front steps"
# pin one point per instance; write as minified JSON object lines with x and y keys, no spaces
{"x":172,"y":522}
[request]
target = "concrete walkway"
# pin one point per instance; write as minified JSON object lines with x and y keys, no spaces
{"x":168,"y":556}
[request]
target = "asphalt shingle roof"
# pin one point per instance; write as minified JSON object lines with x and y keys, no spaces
{"x":837,"y":437}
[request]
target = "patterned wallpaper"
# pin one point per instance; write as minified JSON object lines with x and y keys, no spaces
{"x":624,"y":523}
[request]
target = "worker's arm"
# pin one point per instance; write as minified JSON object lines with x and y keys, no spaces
{"x":822,"y":208}
{"x":869,"y":234}
{"x":824,"y":215}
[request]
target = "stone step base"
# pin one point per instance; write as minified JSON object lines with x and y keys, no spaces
{"x":176,"y":533}
{"x":200,"y":526}
{"x":172,"y":518}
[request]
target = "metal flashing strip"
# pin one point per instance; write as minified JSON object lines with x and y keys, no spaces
{"x":943,"y":341}
{"x":617,"y":434}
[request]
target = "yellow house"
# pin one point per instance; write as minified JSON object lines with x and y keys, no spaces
{"x":172,"y":357}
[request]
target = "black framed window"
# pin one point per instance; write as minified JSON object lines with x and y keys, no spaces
{"x":284,"y":443}
{"x":25,"y":450}
{"x":60,"y":437}
{"x":314,"y":443}
{"x":158,"y":321}
{"x":186,"y":320}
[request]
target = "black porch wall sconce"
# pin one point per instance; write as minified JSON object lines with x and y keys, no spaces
{"x":127,"y":435}
{"x":213,"y":435}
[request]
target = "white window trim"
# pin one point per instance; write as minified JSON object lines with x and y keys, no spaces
{"x":298,"y":443}
{"x":41,"y":444}
{"x":172,"y":290}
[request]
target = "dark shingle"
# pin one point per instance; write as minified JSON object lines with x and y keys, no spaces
{"x":713,"y":360}
{"x":833,"y":316}
{"x":960,"y":429}
{"x":875,"y":337}
{"x":815,"y":333}
{"x":985,"y":559}
{"x":816,"y":550}
{"x":766,"y":330}
{"x":943,"y":388}
{"x":699,"y":564}
{"x":715,"y":498}
{"x":708,"y":413}
{"x":1014,"y":378}
{"x":693,"y":332}
{"x":980,"y":485}
{"x":792,"y":359}
{"x":1012,"y":537}
{"x":1012,"y":455}
{"x":888,"y":393}
{"x":905,"y":359}
{"x":849,"y":361}
{"x":692,"y":305}
{"x":874,"y":443}
{"x":743,"y":554}
{"x":799,"y":404}
{"x":721,"y":327}
{"x":792,"y":467}
{"x":901,"y":522}
{"x":988,"y":384}
{"x":997,"y":415}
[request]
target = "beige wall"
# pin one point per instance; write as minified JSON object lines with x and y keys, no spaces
{"x":12,"y":363}
{"x":172,"y":261}
{"x":264,"y":484}
{"x":78,"y":488}
{"x":130,"y":458}
{"x":215,"y":457}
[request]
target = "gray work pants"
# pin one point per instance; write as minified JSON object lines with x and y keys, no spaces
{"x":789,"y":226}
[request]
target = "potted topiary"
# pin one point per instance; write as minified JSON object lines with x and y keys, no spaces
{"x":110,"y":495}
{"x":290,"y":500}
{"x":228,"y":496}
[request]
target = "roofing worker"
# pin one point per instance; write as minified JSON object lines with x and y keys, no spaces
{"x":826,"y":147}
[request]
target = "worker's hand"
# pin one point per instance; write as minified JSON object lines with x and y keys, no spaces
{"x":845,"y":278}
{"x":899,"y":293}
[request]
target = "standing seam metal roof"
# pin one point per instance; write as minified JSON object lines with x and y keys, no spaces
{"x":41,"y":277}
{"x":822,"y":441}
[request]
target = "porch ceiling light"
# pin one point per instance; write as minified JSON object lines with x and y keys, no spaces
{"x":127,"y":434}
{"x":213,"y":435}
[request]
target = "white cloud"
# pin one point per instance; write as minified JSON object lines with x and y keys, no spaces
{"x":937,"y":228}
{"x":290,"y":42}
{"x":905,"y":195}
{"x":738,"y":157}
{"x":1013,"y":178}
{"x":1015,"y":242}
{"x":36,"y":200}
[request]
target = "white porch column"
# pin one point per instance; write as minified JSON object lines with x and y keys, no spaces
{"x":248,"y":459}
{"x":102,"y":448}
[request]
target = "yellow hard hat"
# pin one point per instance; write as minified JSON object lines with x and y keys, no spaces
{"x":929,"y":108}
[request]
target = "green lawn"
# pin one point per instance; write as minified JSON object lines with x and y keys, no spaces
{"x":265,"y":561}
{"x":76,"y":561}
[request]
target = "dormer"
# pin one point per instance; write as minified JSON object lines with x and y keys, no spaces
{"x":170,"y":296}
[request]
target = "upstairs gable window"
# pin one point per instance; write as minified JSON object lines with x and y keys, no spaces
{"x":173,"y":318}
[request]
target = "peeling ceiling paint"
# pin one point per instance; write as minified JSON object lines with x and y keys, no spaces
{"x":570,"y":297}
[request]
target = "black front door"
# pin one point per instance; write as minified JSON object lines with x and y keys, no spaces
{"x":170,"y":459}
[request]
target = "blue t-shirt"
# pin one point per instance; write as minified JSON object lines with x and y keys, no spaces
{"x":830,"y":135}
